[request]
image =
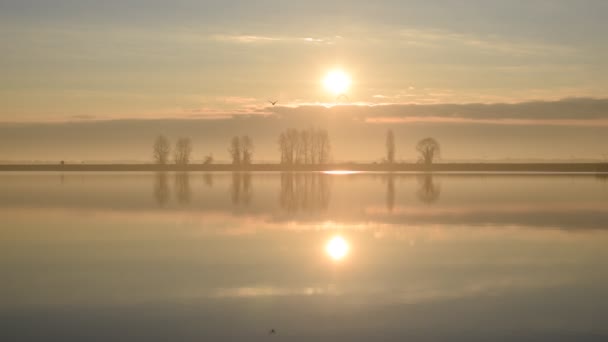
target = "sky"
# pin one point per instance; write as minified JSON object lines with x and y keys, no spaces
{"x":98,"y":80}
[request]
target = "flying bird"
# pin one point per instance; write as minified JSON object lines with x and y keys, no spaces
{"x":342,"y":97}
{"x":273,"y":102}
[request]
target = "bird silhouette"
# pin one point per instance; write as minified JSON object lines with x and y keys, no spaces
{"x":272,"y":332}
{"x":342,"y":97}
{"x":273,"y":102}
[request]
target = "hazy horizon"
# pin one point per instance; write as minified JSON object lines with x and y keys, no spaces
{"x":566,"y":130}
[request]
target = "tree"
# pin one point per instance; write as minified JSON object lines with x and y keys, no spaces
{"x":390,"y":147}
{"x":235,"y":150}
{"x":324,"y":147}
{"x":208,"y":159}
{"x":283,"y":148}
{"x":429,"y":150}
{"x":247,"y":150}
{"x":183,"y":149}
{"x":306,"y":147}
{"x":161,"y":150}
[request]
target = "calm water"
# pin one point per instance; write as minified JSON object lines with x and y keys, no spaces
{"x":317,"y":257}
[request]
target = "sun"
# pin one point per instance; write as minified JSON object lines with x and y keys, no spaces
{"x":337,"y":82}
{"x":337,"y":248}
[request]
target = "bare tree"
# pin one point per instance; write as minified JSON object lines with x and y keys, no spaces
{"x":324,"y":147}
{"x":308,"y":147}
{"x":208,"y":159}
{"x":390,"y":147}
{"x":161,"y":150}
{"x":283,"y":149}
{"x":429,"y":150}
{"x":305,"y":142}
{"x":288,"y":146}
{"x":314,"y":146}
{"x":235,"y":150}
{"x":247,"y":150}
{"x":183,"y":149}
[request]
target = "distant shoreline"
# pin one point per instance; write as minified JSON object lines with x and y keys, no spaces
{"x":439,"y":167}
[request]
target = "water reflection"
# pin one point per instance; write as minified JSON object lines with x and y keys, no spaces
{"x":183,"y":192}
{"x":207,"y":272}
{"x":337,"y":248}
{"x":161,"y":188}
{"x":566,"y":202}
{"x":306,"y":192}
{"x":240,"y":189}
{"x":428,"y":191}
{"x":208,"y":179}
{"x":390,"y":192}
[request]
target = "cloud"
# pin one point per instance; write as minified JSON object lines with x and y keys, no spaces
{"x":566,"y":112}
{"x":245,"y":38}
{"x":253,"y":38}
{"x":83,"y":117}
{"x":482,"y":43}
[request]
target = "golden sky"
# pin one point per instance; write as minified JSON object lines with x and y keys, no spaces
{"x":72,"y":62}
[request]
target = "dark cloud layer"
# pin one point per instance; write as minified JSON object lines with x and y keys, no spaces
{"x":569,"y":109}
{"x":566,"y":129}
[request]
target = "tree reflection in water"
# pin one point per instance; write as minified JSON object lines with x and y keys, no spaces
{"x":240,"y":190}
{"x":183,"y":192}
{"x":161,"y":188}
{"x":390,"y":192}
{"x":208,"y":179}
{"x":304,"y":192}
{"x":428,"y":192}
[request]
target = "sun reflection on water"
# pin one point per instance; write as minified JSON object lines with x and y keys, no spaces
{"x":337,"y":248}
{"x":340,"y":172}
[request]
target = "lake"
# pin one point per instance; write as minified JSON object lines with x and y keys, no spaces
{"x":315,"y":256}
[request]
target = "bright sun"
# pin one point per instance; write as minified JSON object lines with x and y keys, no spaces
{"x":337,"y":248}
{"x":337,"y":82}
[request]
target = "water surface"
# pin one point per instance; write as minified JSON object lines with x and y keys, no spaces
{"x":230,"y":256}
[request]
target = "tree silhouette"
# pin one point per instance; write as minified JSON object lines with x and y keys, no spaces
{"x":390,"y":147}
{"x":208,"y":159}
{"x":183,"y":149}
{"x":304,"y":147}
{"x":247,"y":150}
{"x":235,"y":150}
{"x":324,"y":149}
{"x":429,"y":150}
{"x":161,"y":150}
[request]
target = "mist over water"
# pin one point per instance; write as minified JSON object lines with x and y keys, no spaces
{"x":315,"y":256}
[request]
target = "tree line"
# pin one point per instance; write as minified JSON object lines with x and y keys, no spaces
{"x":181,"y":153}
{"x":428,"y":149}
{"x":296,"y":147}
{"x":304,"y":147}
{"x":240,"y":150}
